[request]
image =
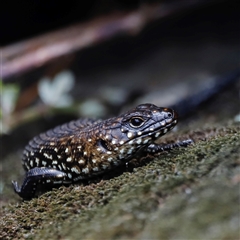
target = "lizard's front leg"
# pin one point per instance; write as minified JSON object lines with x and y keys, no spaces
{"x":157,"y":148}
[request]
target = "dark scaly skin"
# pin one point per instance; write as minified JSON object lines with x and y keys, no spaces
{"x":85,"y":148}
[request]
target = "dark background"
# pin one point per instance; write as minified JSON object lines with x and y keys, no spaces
{"x":24,"y":19}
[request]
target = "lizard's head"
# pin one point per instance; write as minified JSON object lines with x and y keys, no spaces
{"x":123,"y":136}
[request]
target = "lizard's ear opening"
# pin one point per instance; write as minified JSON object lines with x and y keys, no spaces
{"x":104,"y":145}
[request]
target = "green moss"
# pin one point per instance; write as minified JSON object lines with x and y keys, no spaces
{"x":190,"y":193}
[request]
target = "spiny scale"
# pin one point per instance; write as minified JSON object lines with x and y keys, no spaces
{"x":83,"y":148}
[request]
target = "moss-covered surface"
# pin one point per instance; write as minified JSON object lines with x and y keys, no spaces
{"x":190,"y":193}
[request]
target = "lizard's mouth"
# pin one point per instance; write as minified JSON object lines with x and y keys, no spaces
{"x":160,"y":131}
{"x":135,"y":145}
{"x":154,"y":132}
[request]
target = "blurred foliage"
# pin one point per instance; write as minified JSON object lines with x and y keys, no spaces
{"x":56,"y":92}
{"x":53,"y":94}
{"x":8,"y":100}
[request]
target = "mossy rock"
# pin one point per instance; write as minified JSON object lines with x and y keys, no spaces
{"x":189,"y":193}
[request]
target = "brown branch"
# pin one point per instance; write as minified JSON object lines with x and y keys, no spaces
{"x":31,"y":54}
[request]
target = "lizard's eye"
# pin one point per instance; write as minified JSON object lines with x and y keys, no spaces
{"x":136,"y":122}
